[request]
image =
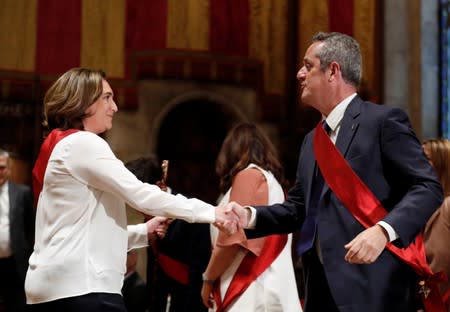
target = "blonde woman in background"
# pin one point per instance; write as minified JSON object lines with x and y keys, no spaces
{"x":437,"y":229}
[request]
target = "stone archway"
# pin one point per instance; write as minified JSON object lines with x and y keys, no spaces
{"x":190,"y":136}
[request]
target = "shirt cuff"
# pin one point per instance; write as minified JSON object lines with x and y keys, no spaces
{"x":137,"y":236}
{"x":390,"y":231}
{"x":252,"y":222}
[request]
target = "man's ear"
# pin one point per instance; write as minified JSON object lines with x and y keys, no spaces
{"x":333,"y":70}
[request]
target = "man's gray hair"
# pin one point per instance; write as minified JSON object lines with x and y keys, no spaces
{"x":342,"y":49}
{"x":4,"y":153}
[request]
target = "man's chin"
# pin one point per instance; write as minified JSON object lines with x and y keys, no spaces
{"x":304,"y":98}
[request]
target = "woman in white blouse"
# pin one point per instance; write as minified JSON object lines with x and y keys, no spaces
{"x":79,"y":256}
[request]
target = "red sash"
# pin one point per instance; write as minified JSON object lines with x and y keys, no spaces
{"x":250,"y":268}
{"x":44,"y":155}
{"x":177,"y":270}
{"x":368,"y":210}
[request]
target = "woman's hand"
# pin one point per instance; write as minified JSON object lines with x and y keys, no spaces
{"x":207,"y":294}
{"x":157,"y":227}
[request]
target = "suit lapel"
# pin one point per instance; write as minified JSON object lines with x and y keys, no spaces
{"x":347,"y":131}
{"x":349,"y":125}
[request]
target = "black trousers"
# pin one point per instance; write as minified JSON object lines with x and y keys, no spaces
{"x":93,"y":302}
{"x":318,"y":296}
{"x":12,"y":291}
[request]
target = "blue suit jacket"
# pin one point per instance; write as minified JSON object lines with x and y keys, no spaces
{"x":381,"y":147}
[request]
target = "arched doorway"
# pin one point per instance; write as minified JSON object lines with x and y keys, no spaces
{"x":190,"y":137}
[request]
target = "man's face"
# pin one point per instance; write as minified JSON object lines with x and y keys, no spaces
{"x":100,"y":113}
{"x":313,"y":81}
{"x":4,"y":170}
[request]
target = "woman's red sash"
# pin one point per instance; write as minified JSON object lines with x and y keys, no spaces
{"x":44,"y":155}
{"x":368,"y":210}
{"x":250,"y":268}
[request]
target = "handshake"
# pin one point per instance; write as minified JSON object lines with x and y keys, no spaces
{"x":229,"y":219}
{"x":232,"y":217}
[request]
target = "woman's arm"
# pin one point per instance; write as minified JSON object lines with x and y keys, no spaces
{"x":249,"y":188}
{"x":92,"y":162}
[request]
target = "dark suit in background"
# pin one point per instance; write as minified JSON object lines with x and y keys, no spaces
{"x":135,"y":293}
{"x":191,"y":245}
{"x":188,"y":243}
{"x":13,"y":269}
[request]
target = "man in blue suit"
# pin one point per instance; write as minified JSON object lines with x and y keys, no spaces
{"x":347,"y":267}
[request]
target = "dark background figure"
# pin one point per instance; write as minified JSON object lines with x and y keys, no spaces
{"x":16,"y":237}
{"x":134,"y":290}
{"x":189,"y":245}
{"x":175,"y":263}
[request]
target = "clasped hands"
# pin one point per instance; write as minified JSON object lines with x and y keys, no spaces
{"x":231,"y":217}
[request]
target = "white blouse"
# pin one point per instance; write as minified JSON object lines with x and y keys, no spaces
{"x":81,"y":225}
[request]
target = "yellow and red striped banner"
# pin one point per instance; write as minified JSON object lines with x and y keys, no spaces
{"x":18,"y":35}
{"x":48,"y":37}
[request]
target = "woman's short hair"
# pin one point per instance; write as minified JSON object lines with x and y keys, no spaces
{"x":67,"y":99}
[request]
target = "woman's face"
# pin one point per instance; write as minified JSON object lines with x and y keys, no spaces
{"x":100,"y":114}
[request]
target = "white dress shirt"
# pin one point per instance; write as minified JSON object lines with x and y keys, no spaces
{"x":5,"y":240}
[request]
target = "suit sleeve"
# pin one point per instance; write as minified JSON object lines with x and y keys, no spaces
{"x":416,"y":190}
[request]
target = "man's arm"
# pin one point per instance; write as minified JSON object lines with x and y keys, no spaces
{"x":411,"y":178}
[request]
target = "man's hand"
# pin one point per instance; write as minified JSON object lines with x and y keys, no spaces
{"x":367,"y":245}
{"x":242,"y":213}
{"x":226,"y":220}
{"x":157,"y":227}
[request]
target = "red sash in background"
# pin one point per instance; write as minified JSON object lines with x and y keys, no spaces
{"x":177,"y":270}
{"x":368,"y":210}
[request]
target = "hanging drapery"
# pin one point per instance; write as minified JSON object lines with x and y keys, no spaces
{"x":53,"y":36}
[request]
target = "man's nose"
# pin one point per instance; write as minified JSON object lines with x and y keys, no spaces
{"x":301,"y":73}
